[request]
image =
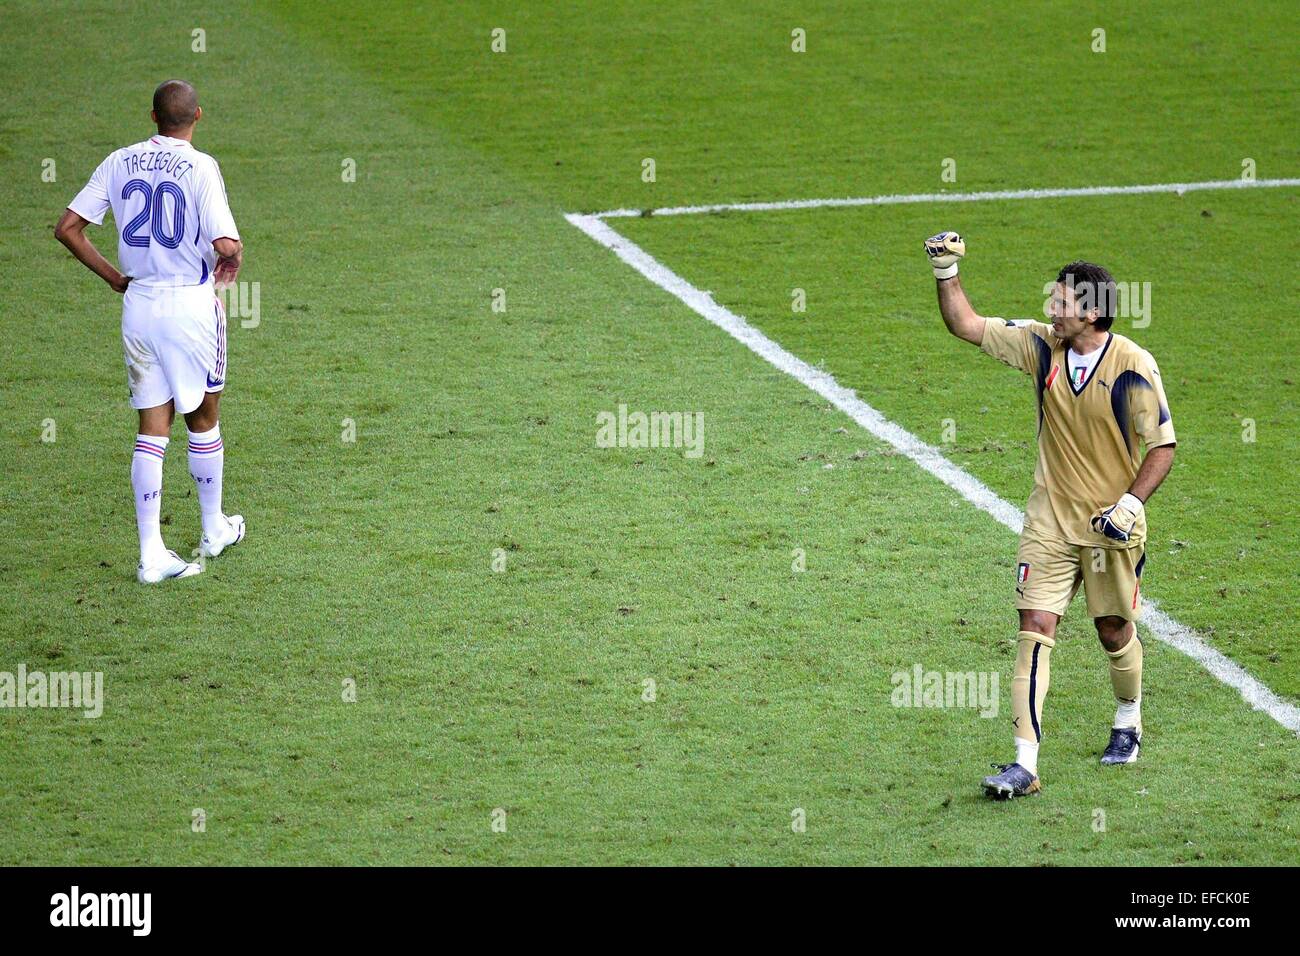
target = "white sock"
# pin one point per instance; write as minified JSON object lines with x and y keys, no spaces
{"x":207,"y":458}
{"x":1128,"y":715}
{"x":146,"y":482}
{"x":1027,"y":755}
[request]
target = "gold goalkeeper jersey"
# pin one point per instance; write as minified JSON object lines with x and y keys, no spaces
{"x":1088,"y":434}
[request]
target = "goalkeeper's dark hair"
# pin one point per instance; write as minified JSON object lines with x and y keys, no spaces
{"x":1093,"y":288}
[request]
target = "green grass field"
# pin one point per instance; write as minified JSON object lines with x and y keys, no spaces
{"x":522,"y":690}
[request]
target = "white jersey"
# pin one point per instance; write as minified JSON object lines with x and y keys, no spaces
{"x":169,"y":202}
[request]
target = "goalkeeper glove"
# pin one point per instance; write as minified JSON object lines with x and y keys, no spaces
{"x":944,"y":250}
{"x":1118,"y":520}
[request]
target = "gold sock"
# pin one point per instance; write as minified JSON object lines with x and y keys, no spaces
{"x":1029,"y":685}
{"x":1126,"y":671}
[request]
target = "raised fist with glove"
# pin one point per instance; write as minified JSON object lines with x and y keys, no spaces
{"x":944,"y":250}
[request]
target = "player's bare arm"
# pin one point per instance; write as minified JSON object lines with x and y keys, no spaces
{"x":959,"y":316}
{"x":1155,"y":468}
{"x":1117,"y":521}
{"x":962,"y":320}
{"x":71,"y":231}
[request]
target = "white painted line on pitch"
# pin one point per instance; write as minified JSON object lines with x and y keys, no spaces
{"x":1160,"y":624}
{"x":905,"y":198}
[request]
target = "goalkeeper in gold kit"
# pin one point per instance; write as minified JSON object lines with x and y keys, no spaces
{"x":1099,"y":398}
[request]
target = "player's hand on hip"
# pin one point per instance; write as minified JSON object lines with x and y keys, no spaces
{"x":119,"y":284}
{"x":226,"y":270}
{"x":944,"y":250}
{"x":1117,"y":521}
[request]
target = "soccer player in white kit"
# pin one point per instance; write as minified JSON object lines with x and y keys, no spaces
{"x":177,"y":239}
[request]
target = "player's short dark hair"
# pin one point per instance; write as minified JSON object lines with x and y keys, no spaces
{"x":1093,"y":288}
{"x":175,"y":102}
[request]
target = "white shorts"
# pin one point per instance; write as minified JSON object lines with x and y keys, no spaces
{"x":174,"y":338}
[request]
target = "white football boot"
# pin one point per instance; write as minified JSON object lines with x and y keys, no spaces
{"x":170,"y":565}
{"x":213,"y":544}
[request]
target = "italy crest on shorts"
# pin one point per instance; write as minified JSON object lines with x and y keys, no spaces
{"x":1022,"y":572}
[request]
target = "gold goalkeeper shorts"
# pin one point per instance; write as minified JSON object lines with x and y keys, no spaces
{"x":1050,"y":570}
